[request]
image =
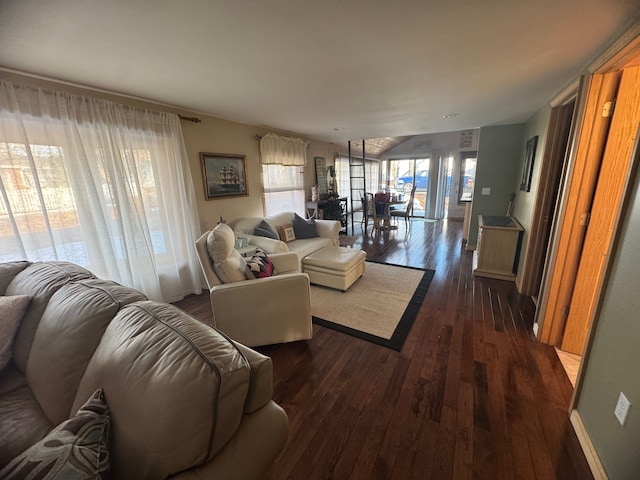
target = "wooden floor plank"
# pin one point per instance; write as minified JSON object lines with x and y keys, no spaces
{"x":471,"y":395}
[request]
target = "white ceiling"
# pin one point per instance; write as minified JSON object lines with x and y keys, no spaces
{"x":374,"y":68}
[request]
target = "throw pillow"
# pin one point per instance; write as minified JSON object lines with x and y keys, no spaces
{"x":227,"y":261}
{"x":304,"y":228}
{"x":287,"y":233}
{"x":75,"y":449}
{"x":260,"y":265}
{"x":13,"y":309}
{"x":264,"y":230}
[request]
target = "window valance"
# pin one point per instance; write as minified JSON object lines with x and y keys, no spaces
{"x":275,"y":149}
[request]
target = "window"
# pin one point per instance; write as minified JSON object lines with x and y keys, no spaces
{"x":342,"y":176}
{"x":283,"y":189}
{"x":372,"y":176}
{"x":102,"y":185}
{"x":283,"y":160}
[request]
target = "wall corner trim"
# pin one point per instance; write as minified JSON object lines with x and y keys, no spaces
{"x":587,"y":447}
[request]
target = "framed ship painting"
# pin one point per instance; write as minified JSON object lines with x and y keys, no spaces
{"x":224,"y":175}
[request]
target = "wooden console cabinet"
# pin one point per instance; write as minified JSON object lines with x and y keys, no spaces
{"x":497,"y":247}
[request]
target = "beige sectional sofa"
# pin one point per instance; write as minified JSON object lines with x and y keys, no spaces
{"x":328,"y":235}
{"x":184,"y":400}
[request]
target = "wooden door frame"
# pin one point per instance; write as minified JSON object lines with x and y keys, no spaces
{"x":569,"y":225}
{"x":609,"y":196}
{"x":567,"y":233}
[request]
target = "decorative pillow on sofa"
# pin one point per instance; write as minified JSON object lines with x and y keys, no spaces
{"x":260,"y":265}
{"x":304,"y":228}
{"x":227,"y":261}
{"x":287,"y":233}
{"x":13,"y":309}
{"x":264,"y":230}
{"x":75,"y":449}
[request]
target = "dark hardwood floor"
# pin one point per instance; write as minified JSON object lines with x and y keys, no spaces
{"x":471,"y":395}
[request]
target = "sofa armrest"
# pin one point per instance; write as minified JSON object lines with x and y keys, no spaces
{"x":264,"y":311}
{"x":285,"y":262}
{"x":251,"y":452}
{"x":269,"y":245}
{"x":261,"y":382}
{"x":329,"y":229}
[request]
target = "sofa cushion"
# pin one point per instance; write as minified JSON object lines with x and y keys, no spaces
{"x":264,"y":230}
{"x":260,"y":265}
{"x":228,"y":264}
{"x":176,"y":389}
{"x":246,"y":225}
{"x":39,"y":281}
{"x":304,"y":228}
{"x":12,"y":309}
{"x":280,"y":218}
{"x":76,"y":449}
{"x":69,"y":332}
{"x":22,"y":421}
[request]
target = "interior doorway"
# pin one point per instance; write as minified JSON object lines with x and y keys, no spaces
{"x":552,"y":171}
{"x":592,"y":205}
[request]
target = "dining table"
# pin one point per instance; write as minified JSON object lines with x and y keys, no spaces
{"x":383,"y":205}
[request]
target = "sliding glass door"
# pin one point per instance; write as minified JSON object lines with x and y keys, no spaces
{"x":404,"y":174}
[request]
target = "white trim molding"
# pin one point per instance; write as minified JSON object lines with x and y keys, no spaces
{"x":587,"y":447}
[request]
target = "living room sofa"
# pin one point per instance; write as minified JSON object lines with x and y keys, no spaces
{"x":184,"y":400}
{"x":328,"y":234}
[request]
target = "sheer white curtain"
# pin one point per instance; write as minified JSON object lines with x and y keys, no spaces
{"x":343,"y":176}
{"x":371,"y":173}
{"x":283,"y":160}
{"x":442,"y":193}
{"x":103,"y":185}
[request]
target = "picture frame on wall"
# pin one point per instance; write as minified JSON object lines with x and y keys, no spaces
{"x":527,"y":171}
{"x":225,"y":175}
{"x":466,"y":139}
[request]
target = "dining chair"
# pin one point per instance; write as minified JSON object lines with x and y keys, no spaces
{"x":381,"y":219}
{"x":407,"y":211}
{"x":368,"y":209}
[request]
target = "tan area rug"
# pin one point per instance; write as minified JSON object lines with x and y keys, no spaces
{"x":380,"y":307}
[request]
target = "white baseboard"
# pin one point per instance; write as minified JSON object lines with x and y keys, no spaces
{"x":587,"y":447}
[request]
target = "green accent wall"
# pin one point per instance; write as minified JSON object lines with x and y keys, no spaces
{"x":524,"y":203}
{"x":612,"y":365}
{"x":500,"y":151}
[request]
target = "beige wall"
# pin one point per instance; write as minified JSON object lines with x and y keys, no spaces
{"x":213,"y":135}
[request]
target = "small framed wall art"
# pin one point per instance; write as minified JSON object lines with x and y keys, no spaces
{"x":224,"y":175}
{"x":527,"y":171}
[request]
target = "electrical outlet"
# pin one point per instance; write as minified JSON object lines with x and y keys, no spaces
{"x":622,"y":409}
{"x":486,"y":190}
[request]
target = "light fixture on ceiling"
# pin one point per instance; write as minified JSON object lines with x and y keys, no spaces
{"x":451,"y":115}
{"x":338,"y":129}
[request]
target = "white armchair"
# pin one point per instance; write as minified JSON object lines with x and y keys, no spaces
{"x":261,"y":311}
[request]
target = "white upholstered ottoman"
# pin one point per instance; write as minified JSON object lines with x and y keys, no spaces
{"x":335,"y":267}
